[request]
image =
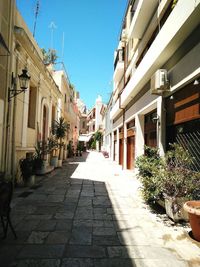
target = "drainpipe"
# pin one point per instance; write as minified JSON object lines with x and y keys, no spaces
{"x":8,"y":105}
{"x":13,"y":156}
{"x":123,"y":126}
{"x":120,"y":107}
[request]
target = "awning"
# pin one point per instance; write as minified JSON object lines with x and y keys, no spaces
{"x":84,"y":138}
{"x":3,"y":43}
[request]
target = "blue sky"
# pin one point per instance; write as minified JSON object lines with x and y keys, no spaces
{"x":91,"y":30}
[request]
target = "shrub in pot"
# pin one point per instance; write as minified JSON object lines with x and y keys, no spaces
{"x":38,"y":157}
{"x":70,"y":151}
{"x":53,"y":146}
{"x":27,"y":170}
{"x":178,"y":181}
{"x":80,"y":148}
{"x":170,"y":178}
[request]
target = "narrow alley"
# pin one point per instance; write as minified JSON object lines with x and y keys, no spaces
{"x":90,"y":213}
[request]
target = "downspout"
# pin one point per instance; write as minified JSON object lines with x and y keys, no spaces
{"x":13,"y":156}
{"x":8,"y":106}
{"x":123,"y":126}
{"x":120,"y":107}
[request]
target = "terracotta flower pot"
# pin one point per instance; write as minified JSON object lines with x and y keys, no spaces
{"x":193,"y":209}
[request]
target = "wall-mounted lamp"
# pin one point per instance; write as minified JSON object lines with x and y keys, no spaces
{"x":155,"y":119}
{"x":196,"y":82}
{"x":24,"y":80}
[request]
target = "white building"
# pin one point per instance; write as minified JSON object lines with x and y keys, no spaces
{"x":156,"y":64}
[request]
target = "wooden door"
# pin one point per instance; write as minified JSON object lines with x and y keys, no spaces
{"x":150,"y":129}
{"x":130,"y":152}
{"x":115,"y":149}
{"x":121,"y":150}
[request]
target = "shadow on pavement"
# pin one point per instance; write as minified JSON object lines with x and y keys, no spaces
{"x":70,"y":222}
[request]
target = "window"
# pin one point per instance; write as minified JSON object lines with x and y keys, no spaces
{"x":32,"y":107}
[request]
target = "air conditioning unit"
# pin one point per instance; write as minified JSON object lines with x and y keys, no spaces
{"x":159,"y":82}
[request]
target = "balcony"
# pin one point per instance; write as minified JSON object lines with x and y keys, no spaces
{"x":141,"y":17}
{"x":184,"y":18}
{"x":118,"y":89}
{"x":119,"y":64}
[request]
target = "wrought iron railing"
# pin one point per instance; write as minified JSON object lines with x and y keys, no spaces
{"x":191,"y":142}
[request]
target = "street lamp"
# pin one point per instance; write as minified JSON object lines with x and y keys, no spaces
{"x":196,"y":82}
{"x":24,"y":80}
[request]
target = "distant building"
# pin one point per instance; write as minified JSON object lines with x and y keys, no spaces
{"x":95,"y":117}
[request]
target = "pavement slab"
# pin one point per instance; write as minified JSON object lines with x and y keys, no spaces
{"x":85,"y":251}
{"x":41,"y":251}
{"x":90,"y":213}
{"x":38,"y":263}
{"x":76,"y":262}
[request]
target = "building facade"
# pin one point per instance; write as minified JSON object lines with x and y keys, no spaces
{"x":156,"y":70}
{"x":68,"y":105}
{"x":6,"y":40}
{"x":26,"y":118}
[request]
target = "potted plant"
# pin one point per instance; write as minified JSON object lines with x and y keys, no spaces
{"x":79,"y":149}
{"x":53,"y":146}
{"x":70,"y":150}
{"x":98,"y":139}
{"x":178,"y":181}
{"x":40,"y":163}
{"x":27,"y":171}
{"x":64,"y":152}
{"x":193,"y":209}
{"x":169,"y":178}
{"x":60,"y":130}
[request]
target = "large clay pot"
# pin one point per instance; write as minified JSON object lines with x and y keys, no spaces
{"x":193,"y":209}
{"x":59,"y":163}
{"x":54,"y":161}
{"x":30,"y":181}
{"x":181,"y":214}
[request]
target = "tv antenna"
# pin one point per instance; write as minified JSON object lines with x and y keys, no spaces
{"x":52,"y":26}
{"x":63,"y":46}
{"x":36,"y":15}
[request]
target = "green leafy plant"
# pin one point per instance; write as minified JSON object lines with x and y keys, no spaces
{"x":98,"y":136}
{"x":149,"y":166}
{"x":169,"y":177}
{"x":93,"y":145}
{"x":50,"y":56}
{"x":80,"y":147}
{"x":52,"y":144}
{"x":70,"y":149}
{"x":26,"y":167}
{"x":178,"y":178}
{"x":60,"y":129}
{"x":38,"y":157}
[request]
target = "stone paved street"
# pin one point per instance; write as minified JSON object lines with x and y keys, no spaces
{"x":90,"y":214}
